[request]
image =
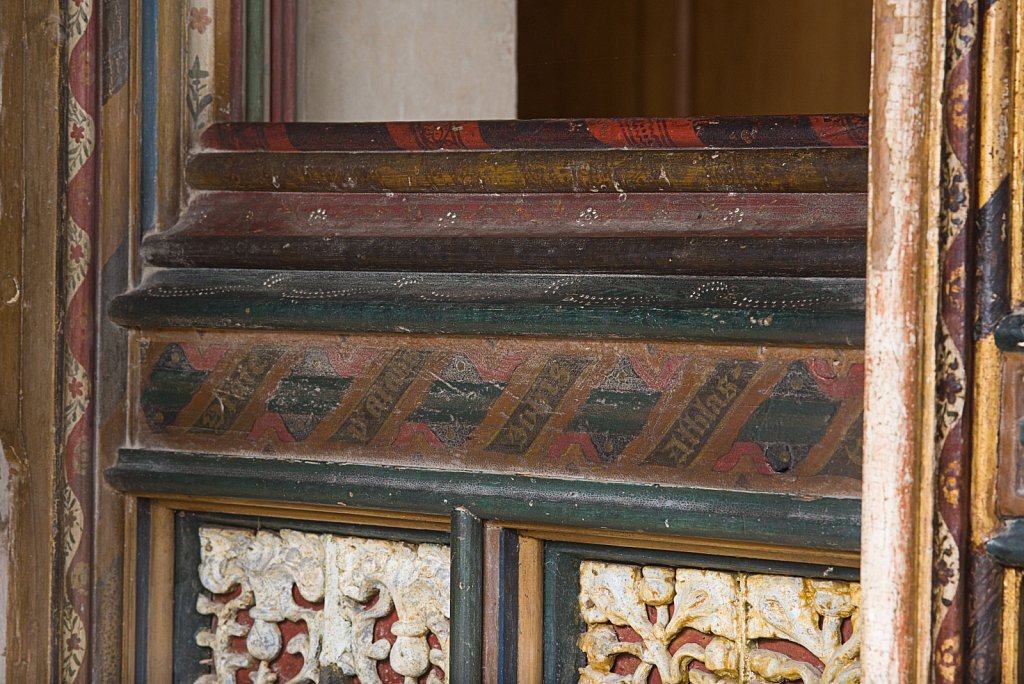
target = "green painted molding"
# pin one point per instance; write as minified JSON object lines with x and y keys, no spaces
{"x":1007,"y":546}
{"x":751,"y":517}
{"x":466,"y":645}
{"x":804,"y":311}
{"x":1009,"y":332}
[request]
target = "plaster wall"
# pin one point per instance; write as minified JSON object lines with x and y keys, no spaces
{"x":374,"y":60}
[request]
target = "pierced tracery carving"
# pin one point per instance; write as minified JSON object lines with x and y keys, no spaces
{"x":346,"y":585}
{"x":709,"y":627}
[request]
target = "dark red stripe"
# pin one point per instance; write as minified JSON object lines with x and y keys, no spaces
{"x":720,"y":215}
{"x":561,"y":134}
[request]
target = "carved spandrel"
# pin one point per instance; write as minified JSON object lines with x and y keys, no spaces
{"x":306,"y":602}
{"x":709,"y":627}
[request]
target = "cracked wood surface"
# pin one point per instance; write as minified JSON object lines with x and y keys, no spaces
{"x":899,"y":347}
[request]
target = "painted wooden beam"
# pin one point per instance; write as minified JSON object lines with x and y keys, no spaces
{"x":793,"y":234}
{"x":839,"y":169}
{"x":776,"y":519}
{"x":724,"y":132}
{"x":798,"y":310}
{"x":708,"y":215}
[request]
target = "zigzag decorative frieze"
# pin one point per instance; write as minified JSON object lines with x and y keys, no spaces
{"x":674,"y":413}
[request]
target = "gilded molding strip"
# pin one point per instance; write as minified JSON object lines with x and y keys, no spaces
{"x":313,"y":606}
{"x":709,"y":627}
{"x":997,"y":200}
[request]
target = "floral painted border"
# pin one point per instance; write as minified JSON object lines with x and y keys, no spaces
{"x":78,"y":286}
{"x":199,"y":83}
{"x":954,"y":338}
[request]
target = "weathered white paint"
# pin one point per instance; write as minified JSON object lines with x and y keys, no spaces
{"x":359,"y":582}
{"x":899,"y":346}
{"x":393,"y":60}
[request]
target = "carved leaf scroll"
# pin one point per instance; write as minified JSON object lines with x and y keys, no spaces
{"x":706,"y":627}
{"x":357,"y":581}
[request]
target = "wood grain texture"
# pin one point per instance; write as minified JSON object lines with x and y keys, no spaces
{"x":335,"y":515}
{"x":561,"y":72}
{"x":115,"y":230}
{"x":1005,"y":448}
{"x":778,"y":57}
{"x":31,"y":129}
{"x":159,"y":632}
{"x":530,"y":665}
{"x":493,"y":608}
{"x":843,"y":563}
{"x":779,"y":519}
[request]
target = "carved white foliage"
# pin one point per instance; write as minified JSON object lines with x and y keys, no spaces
{"x":358,"y":580}
{"x":734,"y":608}
{"x":415,"y":580}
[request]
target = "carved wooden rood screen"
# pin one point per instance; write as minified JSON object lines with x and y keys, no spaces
{"x":559,"y":400}
{"x":503,"y":401}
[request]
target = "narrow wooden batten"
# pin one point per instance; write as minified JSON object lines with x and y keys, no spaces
{"x":902,"y":286}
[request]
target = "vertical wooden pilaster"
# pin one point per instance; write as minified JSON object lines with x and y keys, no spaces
{"x":465,"y":651}
{"x":901,"y":315}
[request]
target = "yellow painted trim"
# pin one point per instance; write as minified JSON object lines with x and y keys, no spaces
{"x":298,"y":511}
{"x":129,"y":618}
{"x":986,"y":413}
{"x":160,"y":632}
{"x":635,"y":540}
{"x":531,"y":610}
{"x":1011,"y":626}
